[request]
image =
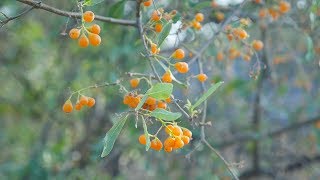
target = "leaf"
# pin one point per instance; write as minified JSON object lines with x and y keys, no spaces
{"x":310,"y":51}
{"x":205,"y":96}
{"x":202,"y":5}
{"x":144,"y":98}
{"x":92,"y":2}
{"x":176,"y":18}
{"x":160,"y":91}
{"x":146,"y":134}
{"x":165,"y":115}
{"x":112,"y":135}
{"x":164,"y":33}
{"x":117,"y":9}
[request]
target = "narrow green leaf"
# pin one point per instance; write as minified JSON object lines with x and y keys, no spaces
{"x":165,"y":115}
{"x":202,"y":5}
{"x":160,"y":91}
{"x":112,"y":135}
{"x":146,"y":133}
{"x":92,"y":2}
{"x":117,"y":9}
{"x":164,"y":33}
{"x":142,"y":101}
{"x":205,"y":96}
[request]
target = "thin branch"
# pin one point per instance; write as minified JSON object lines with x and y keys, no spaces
{"x":40,"y":5}
{"x":8,"y":19}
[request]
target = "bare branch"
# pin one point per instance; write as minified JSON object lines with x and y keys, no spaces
{"x":8,"y":19}
{"x":40,"y":5}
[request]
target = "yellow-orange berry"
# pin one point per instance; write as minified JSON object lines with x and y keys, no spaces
{"x":126,"y":99}
{"x":95,"y":29}
{"x":168,"y":100}
{"x":168,"y":149}
{"x":147,"y":3}
{"x":246,"y":57}
{"x":94,"y":39}
{"x":182,"y":67}
{"x":167,"y":77}
{"x":67,"y":106}
{"x":83,"y":41}
{"x":162,"y":105}
{"x":154,"y":49}
{"x":156,"y":15}
{"x":185,"y":139}
{"x":142,"y":139}
{"x":134,"y":82}
{"x":178,"y":143}
{"x":151,"y":101}
{"x":169,"y":142}
{"x":91,"y":102}
{"x":74,"y":33}
{"x":177,"y":131}
{"x":156,"y":144}
{"x":257,"y":45}
{"x":78,"y":106}
{"x":199,"y":17}
{"x":220,"y":56}
{"x":158,"y":27}
{"x":169,"y":129}
{"x":196,"y":25}
{"x":187,"y":132}
{"x":202,"y":77}
{"x":178,"y":54}
{"x":88,"y":16}
{"x":214,"y":4}
{"x":263,"y":13}
{"x":284,"y":7}
{"x":152,"y":107}
{"x":83,"y":100}
{"x":219,"y":16}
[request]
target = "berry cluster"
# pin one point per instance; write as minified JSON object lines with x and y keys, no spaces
{"x":275,"y":11}
{"x":132,"y":100}
{"x":82,"y":101}
{"x":92,"y":31}
{"x":178,"y":137}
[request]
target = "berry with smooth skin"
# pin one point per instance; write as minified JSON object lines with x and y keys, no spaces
{"x":182,"y":67}
{"x":83,"y":100}
{"x":67,"y":106}
{"x":257,"y":45}
{"x":202,"y":77}
{"x":91,"y":102}
{"x":199,"y":17}
{"x":78,"y":106}
{"x":156,"y":15}
{"x":94,"y":39}
{"x":95,"y":29}
{"x":134,"y":82}
{"x":162,"y":105}
{"x":88,"y":16}
{"x":74,"y":33}
{"x":178,"y":54}
{"x":158,"y":27}
{"x":187,"y":132}
{"x":167,"y":77}
{"x":142,"y":139}
{"x":177,"y":131}
{"x":83,"y":41}
{"x":147,"y":3}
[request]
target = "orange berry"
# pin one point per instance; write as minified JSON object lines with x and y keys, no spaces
{"x":78,"y":106}
{"x":134,"y":101}
{"x":242,"y":34}
{"x":151,"y":101}
{"x":258,"y":1}
{"x":246,"y":57}
{"x":178,"y":143}
{"x":169,"y":142}
{"x":168,"y":149}
{"x":219,"y":16}
{"x":162,"y":105}
{"x":202,"y":77}
{"x":169,"y":129}
{"x":134,"y":82}
{"x":95,"y":29}
{"x":167,"y":77}
{"x":147,"y":3}
{"x":168,"y":100}
{"x":220,"y":56}
{"x":83,"y":100}
{"x":187,"y":132}
{"x":91,"y":102}
{"x":230,"y":37}
{"x":94,"y":39}
{"x":178,"y":54}
{"x":199,"y":17}
{"x":263,"y":13}
{"x":182,"y":67}
{"x":177,"y":131}
{"x":88,"y":16}
{"x":156,"y":15}
{"x":214,"y":4}
{"x":152,"y":107}
{"x":284,"y":7}
{"x":83,"y":41}
{"x":257,"y":45}
{"x":142,"y":139}
{"x":185,"y":139}
{"x":196,"y":25}
{"x":154,"y":49}
{"x":158,"y":27}
{"x":274,"y":13}
{"x":156,"y":144}
{"x":74,"y":33}
{"x":126,"y":99}
{"x":67,"y":106}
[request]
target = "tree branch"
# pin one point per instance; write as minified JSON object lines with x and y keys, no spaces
{"x":8,"y":19}
{"x":40,"y":5}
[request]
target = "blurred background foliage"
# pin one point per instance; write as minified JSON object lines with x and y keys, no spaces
{"x":40,"y":65}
